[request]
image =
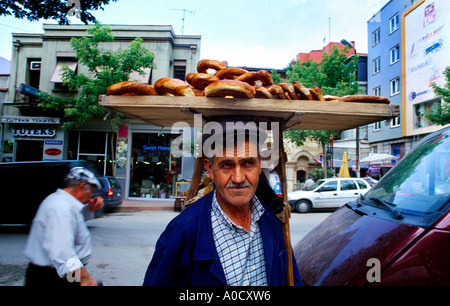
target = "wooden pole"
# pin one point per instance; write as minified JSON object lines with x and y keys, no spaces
{"x":196,"y":177}
{"x":281,"y":170}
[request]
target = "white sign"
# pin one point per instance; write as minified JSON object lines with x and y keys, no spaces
{"x":31,"y":120}
{"x":425,"y":54}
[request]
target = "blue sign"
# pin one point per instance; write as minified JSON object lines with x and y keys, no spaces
{"x":155,"y":148}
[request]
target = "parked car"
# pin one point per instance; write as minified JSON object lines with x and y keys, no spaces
{"x":370,"y":180}
{"x":110,"y":191}
{"x":327,"y":193}
{"x":398,"y":233}
{"x":26,"y":184}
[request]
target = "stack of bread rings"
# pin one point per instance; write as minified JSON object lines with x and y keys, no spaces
{"x":216,"y":79}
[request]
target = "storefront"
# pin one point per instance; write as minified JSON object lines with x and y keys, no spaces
{"x":32,"y":139}
{"x":144,"y":166}
{"x":153,"y":170}
{"x":145,"y":158}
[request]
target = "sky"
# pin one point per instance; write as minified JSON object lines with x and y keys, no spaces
{"x":252,"y":33}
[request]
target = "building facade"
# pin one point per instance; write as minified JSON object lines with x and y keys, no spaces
{"x":144,"y":166}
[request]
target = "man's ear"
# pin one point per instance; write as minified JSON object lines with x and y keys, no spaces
{"x":208,"y":166}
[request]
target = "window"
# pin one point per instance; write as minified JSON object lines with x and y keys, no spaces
{"x":394,"y":23}
{"x":376,"y":65}
{"x":396,"y":149}
{"x":33,"y":72}
{"x":394,"y":54}
{"x":395,"y":122}
{"x":377,"y":91}
{"x":395,"y":86}
{"x":377,"y":126}
{"x":92,"y":146}
{"x":348,"y":185}
{"x":329,"y":186}
{"x":154,"y":171}
{"x":179,"y":69}
{"x":376,"y":37}
{"x":361,"y":184}
{"x":63,"y":59}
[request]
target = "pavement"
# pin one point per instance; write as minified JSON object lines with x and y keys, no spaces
{"x":140,"y":205}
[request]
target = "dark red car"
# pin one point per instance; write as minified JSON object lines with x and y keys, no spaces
{"x":397,"y":234}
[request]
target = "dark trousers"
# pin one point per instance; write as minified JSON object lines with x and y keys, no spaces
{"x":37,"y":276}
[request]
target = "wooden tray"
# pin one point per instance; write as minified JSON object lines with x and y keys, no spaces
{"x":296,"y":114}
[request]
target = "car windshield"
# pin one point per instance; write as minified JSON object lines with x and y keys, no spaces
{"x":420,"y":183}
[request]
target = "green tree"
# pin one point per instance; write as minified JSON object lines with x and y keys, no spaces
{"x":105,"y":68}
{"x":58,"y":10}
{"x":276,"y":77}
{"x":441,"y":111}
{"x":335,"y":75}
{"x":307,"y":73}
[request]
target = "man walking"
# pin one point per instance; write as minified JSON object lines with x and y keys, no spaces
{"x":59,"y":243}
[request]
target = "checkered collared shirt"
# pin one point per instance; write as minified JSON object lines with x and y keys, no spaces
{"x":241,"y":253}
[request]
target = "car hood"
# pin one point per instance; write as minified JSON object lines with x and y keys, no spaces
{"x":300,"y":193}
{"x":336,"y":252}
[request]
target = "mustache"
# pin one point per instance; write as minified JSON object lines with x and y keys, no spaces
{"x":239,"y":185}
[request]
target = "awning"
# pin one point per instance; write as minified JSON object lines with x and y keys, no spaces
{"x":57,"y":74}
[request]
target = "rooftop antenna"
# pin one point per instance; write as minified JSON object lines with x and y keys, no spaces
{"x":184,"y":16}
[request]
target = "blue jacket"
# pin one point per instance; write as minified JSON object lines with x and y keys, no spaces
{"x":185,"y":254}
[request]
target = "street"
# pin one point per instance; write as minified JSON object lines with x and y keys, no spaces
{"x":123,"y":244}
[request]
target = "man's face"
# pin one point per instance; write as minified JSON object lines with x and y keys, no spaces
{"x":235,"y":175}
{"x":85,"y":192}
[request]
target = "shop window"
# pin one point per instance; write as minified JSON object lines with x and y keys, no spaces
{"x":92,"y":146}
{"x":153,"y":169}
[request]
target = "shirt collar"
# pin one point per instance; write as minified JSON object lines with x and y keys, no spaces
{"x":257,"y":210}
{"x":70,"y":198}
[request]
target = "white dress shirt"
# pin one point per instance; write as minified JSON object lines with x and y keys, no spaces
{"x":59,"y":236}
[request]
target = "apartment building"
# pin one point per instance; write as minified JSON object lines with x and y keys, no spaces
{"x":407,"y":40}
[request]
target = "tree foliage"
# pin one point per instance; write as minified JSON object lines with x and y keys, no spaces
{"x":441,"y":111}
{"x":105,"y":68}
{"x":335,"y":75}
{"x":58,"y":10}
{"x":276,"y":76}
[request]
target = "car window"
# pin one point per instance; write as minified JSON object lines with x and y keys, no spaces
{"x":348,"y":185}
{"x":361,"y":184}
{"x":102,"y":183}
{"x":329,"y":186}
{"x":420,"y":183}
{"x":114,"y":183}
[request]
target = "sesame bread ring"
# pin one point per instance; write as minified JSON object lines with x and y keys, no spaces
{"x":200,"y":80}
{"x":230,"y":73}
{"x":206,"y":64}
{"x":131,"y":89}
{"x":175,"y":87}
{"x":230,"y":88}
